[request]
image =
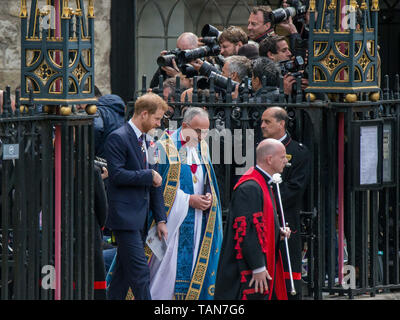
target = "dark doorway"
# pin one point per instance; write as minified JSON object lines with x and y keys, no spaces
{"x":389,"y":42}
{"x":122,"y":58}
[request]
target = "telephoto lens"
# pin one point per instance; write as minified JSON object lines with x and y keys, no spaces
{"x":210,"y":31}
{"x":201,"y":52}
{"x":210,"y":41}
{"x":206,"y":69}
{"x":166,"y":60}
{"x":282,"y":14}
{"x":221,"y":81}
{"x":189,"y":71}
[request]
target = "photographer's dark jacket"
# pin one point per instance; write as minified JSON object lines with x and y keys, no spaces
{"x":271,"y":95}
{"x":111,"y":111}
{"x":155,"y":81}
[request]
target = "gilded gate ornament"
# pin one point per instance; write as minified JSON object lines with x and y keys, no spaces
{"x":57,"y":67}
{"x":343,"y":55}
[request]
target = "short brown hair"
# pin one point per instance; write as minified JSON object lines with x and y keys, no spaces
{"x":266,"y":11}
{"x":150,"y":102}
{"x":270,"y":44}
{"x":233,"y":34}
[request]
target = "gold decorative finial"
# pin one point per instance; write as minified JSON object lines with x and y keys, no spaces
{"x":24,"y":11}
{"x":375,"y":5}
{"x":66,"y":14}
{"x":363,"y":5}
{"x":332,"y":6}
{"x":78,"y":12}
{"x":312,"y":5}
{"x":91,"y":9}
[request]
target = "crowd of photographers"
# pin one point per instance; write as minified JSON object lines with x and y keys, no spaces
{"x":271,"y":55}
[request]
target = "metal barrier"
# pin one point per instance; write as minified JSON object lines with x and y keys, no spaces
{"x":29,"y":223}
{"x":370,"y":224}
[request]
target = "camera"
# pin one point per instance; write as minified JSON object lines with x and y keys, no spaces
{"x":221,"y":83}
{"x":297,"y":9}
{"x":183,"y":57}
{"x":210,"y":41}
{"x":166,"y":60}
{"x":292,"y":66}
{"x":201,"y":52}
{"x":206,"y":69}
{"x":210,"y":31}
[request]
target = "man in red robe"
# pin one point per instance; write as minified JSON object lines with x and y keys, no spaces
{"x":250,"y":265}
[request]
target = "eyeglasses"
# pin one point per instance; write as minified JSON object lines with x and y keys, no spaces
{"x":202,"y":132}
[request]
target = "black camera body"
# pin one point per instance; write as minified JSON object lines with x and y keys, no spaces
{"x":183,"y":57}
{"x":292,"y":66}
{"x":166,"y":60}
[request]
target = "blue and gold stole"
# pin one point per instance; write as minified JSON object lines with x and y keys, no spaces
{"x":200,"y":284}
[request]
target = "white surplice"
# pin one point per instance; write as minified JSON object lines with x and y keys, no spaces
{"x":163,"y":273}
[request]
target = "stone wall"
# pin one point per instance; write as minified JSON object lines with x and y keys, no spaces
{"x":10,"y":43}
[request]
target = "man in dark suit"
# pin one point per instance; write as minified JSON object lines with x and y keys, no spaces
{"x":134,"y":189}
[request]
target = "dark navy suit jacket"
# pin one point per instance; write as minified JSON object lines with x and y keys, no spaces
{"x":130,"y":191}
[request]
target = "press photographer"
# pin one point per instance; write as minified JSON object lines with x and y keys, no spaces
{"x":231,"y":40}
{"x":186,"y":41}
{"x":264,"y":67}
{"x":232,"y":78}
{"x":292,"y":66}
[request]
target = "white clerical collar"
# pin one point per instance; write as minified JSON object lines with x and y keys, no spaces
{"x":266,"y":173}
{"x":137,"y":131}
{"x":283,"y":138}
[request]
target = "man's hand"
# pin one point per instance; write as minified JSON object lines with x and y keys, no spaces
{"x":288,"y":82}
{"x":260,"y":281}
{"x":201,"y":202}
{"x":162,"y":230}
{"x":197,"y":64}
{"x":104,"y":173}
{"x":157,"y":179}
{"x":288,"y":26}
{"x":304,"y":83}
{"x":285,"y":232}
{"x":172,"y":72}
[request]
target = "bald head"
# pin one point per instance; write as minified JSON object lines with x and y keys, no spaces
{"x":271,"y":156}
{"x":187,"y":41}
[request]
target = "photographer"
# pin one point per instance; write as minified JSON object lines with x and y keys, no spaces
{"x":277,"y":49}
{"x":186,"y":41}
{"x":265,"y":67}
{"x":231,"y":40}
{"x":260,"y":24}
{"x":237,"y":68}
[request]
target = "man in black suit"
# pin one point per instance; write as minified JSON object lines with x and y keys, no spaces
{"x":134,"y":189}
{"x":295,"y":178}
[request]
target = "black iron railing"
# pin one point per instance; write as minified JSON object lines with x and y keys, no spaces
{"x":369,"y":226}
{"x":28,"y":230}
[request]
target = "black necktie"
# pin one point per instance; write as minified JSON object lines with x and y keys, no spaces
{"x":141,"y":139}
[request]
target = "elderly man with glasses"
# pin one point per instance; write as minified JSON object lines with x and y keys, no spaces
{"x":187,"y":267}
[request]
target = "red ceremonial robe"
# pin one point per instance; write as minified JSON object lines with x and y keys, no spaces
{"x":264,"y":222}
